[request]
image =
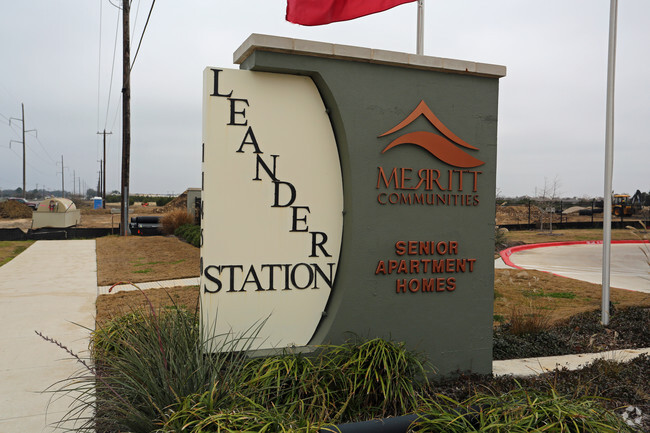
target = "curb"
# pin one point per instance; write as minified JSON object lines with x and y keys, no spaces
{"x":505,"y":254}
{"x":103,"y":290}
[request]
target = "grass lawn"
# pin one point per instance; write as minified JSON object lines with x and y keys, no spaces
{"x":10,"y":249}
{"x":139,"y":259}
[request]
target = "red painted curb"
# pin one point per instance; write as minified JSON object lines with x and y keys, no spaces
{"x":505,"y":254}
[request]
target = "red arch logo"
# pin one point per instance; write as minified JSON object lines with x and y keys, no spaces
{"x":444,"y":147}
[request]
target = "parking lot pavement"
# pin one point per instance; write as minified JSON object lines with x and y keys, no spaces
{"x":629,"y":267}
{"x":51,"y":287}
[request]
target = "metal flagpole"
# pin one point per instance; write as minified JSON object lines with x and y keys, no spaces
{"x":420,"y":36}
{"x":609,"y":162}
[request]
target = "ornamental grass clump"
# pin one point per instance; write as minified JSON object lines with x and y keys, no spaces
{"x":303,"y":383}
{"x":174,"y":219}
{"x":518,"y":411}
{"x":151,"y":371}
{"x":148,"y":361}
{"x":380,"y":376}
{"x":203,"y":414}
{"x":294,"y":392}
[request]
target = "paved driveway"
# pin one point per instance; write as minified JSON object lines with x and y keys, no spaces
{"x":629,"y":268}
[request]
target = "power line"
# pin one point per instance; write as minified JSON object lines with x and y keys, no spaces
{"x":11,"y":126}
{"x":36,"y":154}
{"x":117,"y":110}
{"x":14,"y":152}
{"x":28,"y":164}
{"x":99,"y":63}
{"x":142,"y":35}
{"x":110,"y":86}
{"x":135,"y":21}
{"x":45,"y":150}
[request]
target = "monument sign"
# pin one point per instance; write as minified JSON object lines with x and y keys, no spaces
{"x":349,"y":190}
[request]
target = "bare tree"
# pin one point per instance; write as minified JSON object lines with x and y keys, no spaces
{"x":546,"y":197}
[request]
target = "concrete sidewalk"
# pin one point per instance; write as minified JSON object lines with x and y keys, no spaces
{"x":51,"y":288}
{"x":534,"y":366}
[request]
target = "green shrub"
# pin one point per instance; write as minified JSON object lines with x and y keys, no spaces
{"x":190,"y":233}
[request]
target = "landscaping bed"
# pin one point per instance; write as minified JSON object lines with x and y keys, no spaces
{"x":156,"y":378}
{"x":152,"y":376}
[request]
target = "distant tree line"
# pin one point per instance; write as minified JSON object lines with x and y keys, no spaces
{"x":113,"y":197}
{"x":160,"y":201}
{"x":569,"y":201}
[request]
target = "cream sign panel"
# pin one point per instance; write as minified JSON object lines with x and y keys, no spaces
{"x":272,"y":206}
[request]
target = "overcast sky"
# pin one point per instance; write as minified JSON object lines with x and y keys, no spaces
{"x":551,"y":103}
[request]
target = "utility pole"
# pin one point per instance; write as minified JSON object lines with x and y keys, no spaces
{"x":103,"y":194}
{"x":62,"y":177}
{"x":99,"y":179}
{"x":22,"y":120}
{"x":24,"y":158}
{"x":74,"y":180}
{"x":126,"y":115}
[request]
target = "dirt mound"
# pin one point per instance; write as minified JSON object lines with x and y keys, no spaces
{"x":91,"y":211}
{"x":179,"y":202}
{"x":517,"y":214}
{"x":12,"y":210}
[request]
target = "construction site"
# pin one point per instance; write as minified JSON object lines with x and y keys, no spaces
{"x":15,"y":216}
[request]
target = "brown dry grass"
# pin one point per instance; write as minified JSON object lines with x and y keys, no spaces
{"x":139,"y":259}
{"x":555,"y":297}
{"x":527,"y":292}
{"x":174,"y":219}
{"x":120,"y":303}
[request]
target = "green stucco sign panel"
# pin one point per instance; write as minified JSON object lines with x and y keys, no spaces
{"x":417,"y":141}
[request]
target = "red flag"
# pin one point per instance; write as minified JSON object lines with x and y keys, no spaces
{"x":318,"y":12}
